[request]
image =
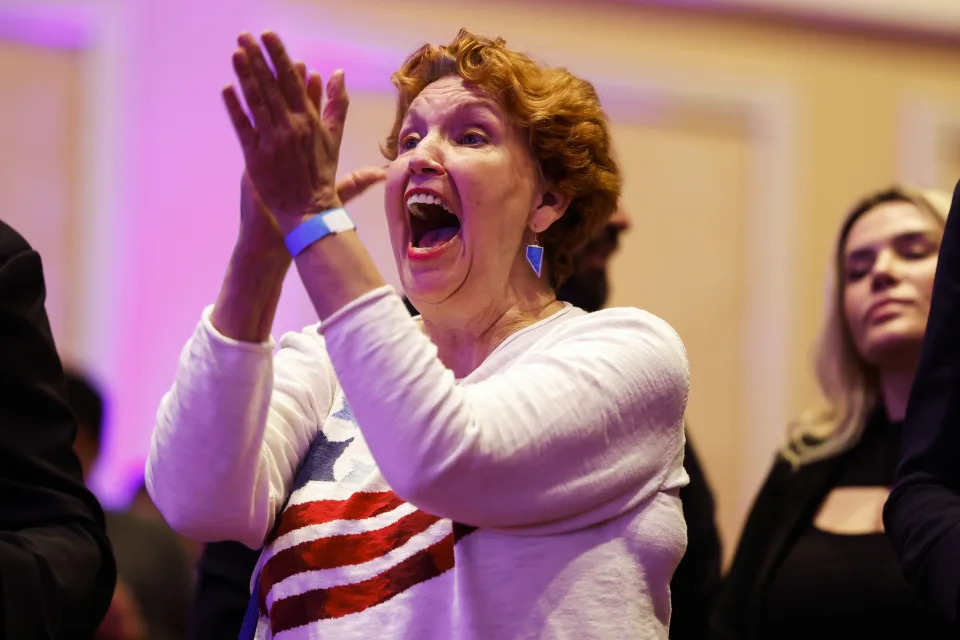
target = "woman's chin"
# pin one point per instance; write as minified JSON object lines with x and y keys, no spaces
{"x":431,"y":286}
{"x":891,"y":346}
{"x":433,"y":275}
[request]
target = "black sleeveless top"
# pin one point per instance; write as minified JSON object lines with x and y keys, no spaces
{"x":849,"y":586}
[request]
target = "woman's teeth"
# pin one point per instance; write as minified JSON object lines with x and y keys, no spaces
{"x":424,"y":198}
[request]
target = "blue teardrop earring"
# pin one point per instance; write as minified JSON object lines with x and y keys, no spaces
{"x":535,"y":255}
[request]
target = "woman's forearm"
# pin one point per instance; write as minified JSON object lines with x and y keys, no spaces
{"x":249,"y":295}
{"x":335,"y":271}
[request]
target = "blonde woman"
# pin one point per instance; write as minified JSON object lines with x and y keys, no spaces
{"x":812,"y":560}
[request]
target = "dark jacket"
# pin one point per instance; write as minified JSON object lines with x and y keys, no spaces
{"x":786,"y":504}
{"x":922,"y":514}
{"x":223,"y":591}
{"x":696,"y":581}
{"x":152,"y":562}
{"x":56,"y":570}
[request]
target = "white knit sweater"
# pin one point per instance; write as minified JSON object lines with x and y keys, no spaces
{"x":534,"y":498}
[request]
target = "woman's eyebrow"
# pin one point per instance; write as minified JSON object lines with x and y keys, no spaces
{"x":859,"y":254}
{"x":410,"y":118}
{"x":906,"y":236}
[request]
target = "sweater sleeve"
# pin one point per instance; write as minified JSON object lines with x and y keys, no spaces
{"x":232,"y":430}
{"x":579,"y":429}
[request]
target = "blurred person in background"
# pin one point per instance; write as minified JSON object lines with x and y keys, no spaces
{"x":813,"y":561}
{"x":57,"y":572}
{"x":696,"y":581}
{"x":922,"y":514}
{"x":154,"y":576}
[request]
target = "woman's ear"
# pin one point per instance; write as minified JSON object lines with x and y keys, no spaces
{"x":552,"y":206}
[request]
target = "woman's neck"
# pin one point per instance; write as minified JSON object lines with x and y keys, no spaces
{"x":463,"y":344}
{"x":895,"y":386}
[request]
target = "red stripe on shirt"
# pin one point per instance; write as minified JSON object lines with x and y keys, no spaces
{"x":357,"y":507}
{"x":340,"y":601}
{"x":341,"y":550}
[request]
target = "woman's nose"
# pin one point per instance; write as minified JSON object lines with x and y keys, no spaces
{"x":884,"y":274}
{"x":426,"y":157}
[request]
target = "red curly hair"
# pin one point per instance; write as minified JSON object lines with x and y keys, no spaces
{"x":567,"y":130}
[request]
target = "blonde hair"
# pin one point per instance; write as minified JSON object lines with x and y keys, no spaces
{"x":849,"y":385}
{"x":566,"y":128}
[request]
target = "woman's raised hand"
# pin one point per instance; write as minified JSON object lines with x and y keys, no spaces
{"x":263,"y":234}
{"x":291,"y":139}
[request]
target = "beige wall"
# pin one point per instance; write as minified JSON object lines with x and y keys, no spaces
{"x":40,"y":176}
{"x":742,"y":142}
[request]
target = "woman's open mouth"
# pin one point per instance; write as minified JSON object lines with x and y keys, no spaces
{"x":432,"y":225}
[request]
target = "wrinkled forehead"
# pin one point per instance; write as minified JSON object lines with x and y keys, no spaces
{"x":451,"y":94}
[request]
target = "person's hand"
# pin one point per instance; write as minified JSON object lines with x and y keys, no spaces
{"x":123,"y":620}
{"x":291,"y":140}
{"x":260,"y":232}
{"x":259,"y":229}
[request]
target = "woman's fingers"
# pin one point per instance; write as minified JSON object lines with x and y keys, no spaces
{"x":335,"y":111}
{"x":287,"y":79}
{"x":359,"y":181}
{"x":251,"y":90}
{"x":315,"y":90}
{"x":241,"y":123}
{"x":261,"y":73}
{"x":290,"y":145}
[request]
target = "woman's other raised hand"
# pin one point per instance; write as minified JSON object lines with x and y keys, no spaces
{"x":291,"y":137}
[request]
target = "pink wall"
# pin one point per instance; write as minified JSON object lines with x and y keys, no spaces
{"x":159,"y":168}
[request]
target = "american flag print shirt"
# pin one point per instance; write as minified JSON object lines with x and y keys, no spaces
{"x":345,"y":543}
{"x":564,"y":448}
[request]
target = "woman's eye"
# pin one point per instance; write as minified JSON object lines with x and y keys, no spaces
{"x":409,"y":142}
{"x":473,"y":139}
{"x":853,"y":276}
{"x":856,"y":271}
{"x":915,"y":251}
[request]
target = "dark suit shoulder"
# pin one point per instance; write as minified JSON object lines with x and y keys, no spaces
{"x":56,"y":569}
{"x":11,"y":242}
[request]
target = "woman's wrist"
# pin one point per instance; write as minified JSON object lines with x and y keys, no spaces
{"x":254,"y":256}
{"x":324,"y":201}
{"x":250,"y":292}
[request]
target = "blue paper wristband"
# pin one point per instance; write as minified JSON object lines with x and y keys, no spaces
{"x":317,"y":227}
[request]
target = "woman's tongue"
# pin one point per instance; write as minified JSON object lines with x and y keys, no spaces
{"x":437,"y":237}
